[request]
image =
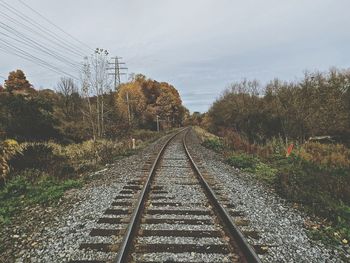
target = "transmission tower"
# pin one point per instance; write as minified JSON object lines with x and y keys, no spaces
{"x":116,"y":70}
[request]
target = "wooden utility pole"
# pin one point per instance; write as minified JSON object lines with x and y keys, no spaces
{"x":157,"y":123}
{"x":128,"y":103}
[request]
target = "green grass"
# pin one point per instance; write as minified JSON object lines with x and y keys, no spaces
{"x":21,"y":192}
{"x":251,"y":164}
{"x":243,"y":161}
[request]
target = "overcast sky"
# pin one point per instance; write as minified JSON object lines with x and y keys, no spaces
{"x":199,"y":46}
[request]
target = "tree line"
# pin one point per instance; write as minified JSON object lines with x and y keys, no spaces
{"x":317,"y":105}
{"x":92,"y":110}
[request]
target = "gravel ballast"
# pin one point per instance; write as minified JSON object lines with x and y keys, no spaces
{"x":280,"y":226}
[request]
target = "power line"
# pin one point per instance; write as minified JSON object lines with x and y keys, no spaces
{"x":25,"y":40}
{"x":35,"y":45}
{"x":41,"y":27}
{"x":23,"y":54}
{"x":65,"y":44}
{"x":29,"y":29}
{"x":56,"y":26}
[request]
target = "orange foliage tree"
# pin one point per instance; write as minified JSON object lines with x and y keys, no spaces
{"x":17,"y":81}
{"x":142,"y":99}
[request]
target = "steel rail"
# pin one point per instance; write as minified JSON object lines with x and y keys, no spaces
{"x":239,"y":238}
{"x":136,"y":215}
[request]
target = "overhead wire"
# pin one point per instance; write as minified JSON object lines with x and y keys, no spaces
{"x":23,"y":54}
{"x":28,"y":29}
{"x":65,"y":44}
{"x":45,"y":34}
{"x":35,"y":45}
{"x":56,"y":26}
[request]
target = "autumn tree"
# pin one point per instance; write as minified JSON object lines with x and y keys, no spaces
{"x":17,"y":81}
{"x":131,"y":103}
{"x":142,"y":99}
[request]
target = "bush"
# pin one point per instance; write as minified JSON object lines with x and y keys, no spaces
{"x":239,"y":143}
{"x":243,"y":161}
{"x":253,"y":165}
{"x":86,"y":155}
{"x":144,"y":135}
{"x":266,"y":173}
{"x":43,"y":157}
{"x":308,"y":181}
{"x":8,"y":149}
{"x":330,"y":155}
{"x":214,"y":144}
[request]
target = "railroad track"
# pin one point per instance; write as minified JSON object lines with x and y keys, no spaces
{"x":170,"y":215}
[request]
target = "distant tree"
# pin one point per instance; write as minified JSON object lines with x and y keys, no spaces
{"x":70,"y":94}
{"x":316,"y":105}
{"x":17,"y":81}
{"x":143,"y":99}
{"x":131,"y":103}
{"x":195,"y":119}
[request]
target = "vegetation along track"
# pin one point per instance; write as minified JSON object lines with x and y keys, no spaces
{"x":175,"y":216}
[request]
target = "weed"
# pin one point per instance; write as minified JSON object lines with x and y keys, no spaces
{"x":266,"y":173}
{"x":214,"y":144}
{"x":243,"y":161}
{"x":21,"y":192}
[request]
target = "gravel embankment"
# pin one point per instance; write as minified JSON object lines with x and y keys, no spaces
{"x":53,"y":234}
{"x":279,"y":224}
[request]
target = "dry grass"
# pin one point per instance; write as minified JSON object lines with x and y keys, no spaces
{"x":330,"y":155}
{"x":204,"y":135}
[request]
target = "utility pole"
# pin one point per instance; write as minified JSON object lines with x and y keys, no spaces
{"x":157,"y":123}
{"x":129,"y":114}
{"x":117,"y":71}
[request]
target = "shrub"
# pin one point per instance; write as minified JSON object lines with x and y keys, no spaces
{"x":41,"y":156}
{"x":86,"y":155}
{"x":330,"y":155}
{"x":8,"y":149}
{"x":243,"y":161}
{"x":275,"y":146}
{"x":107,"y":151}
{"x":144,"y":135}
{"x":322,"y":188}
{"x":266,"y":172}
{"x":239,"y":143}
{"x":214,"y":144}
